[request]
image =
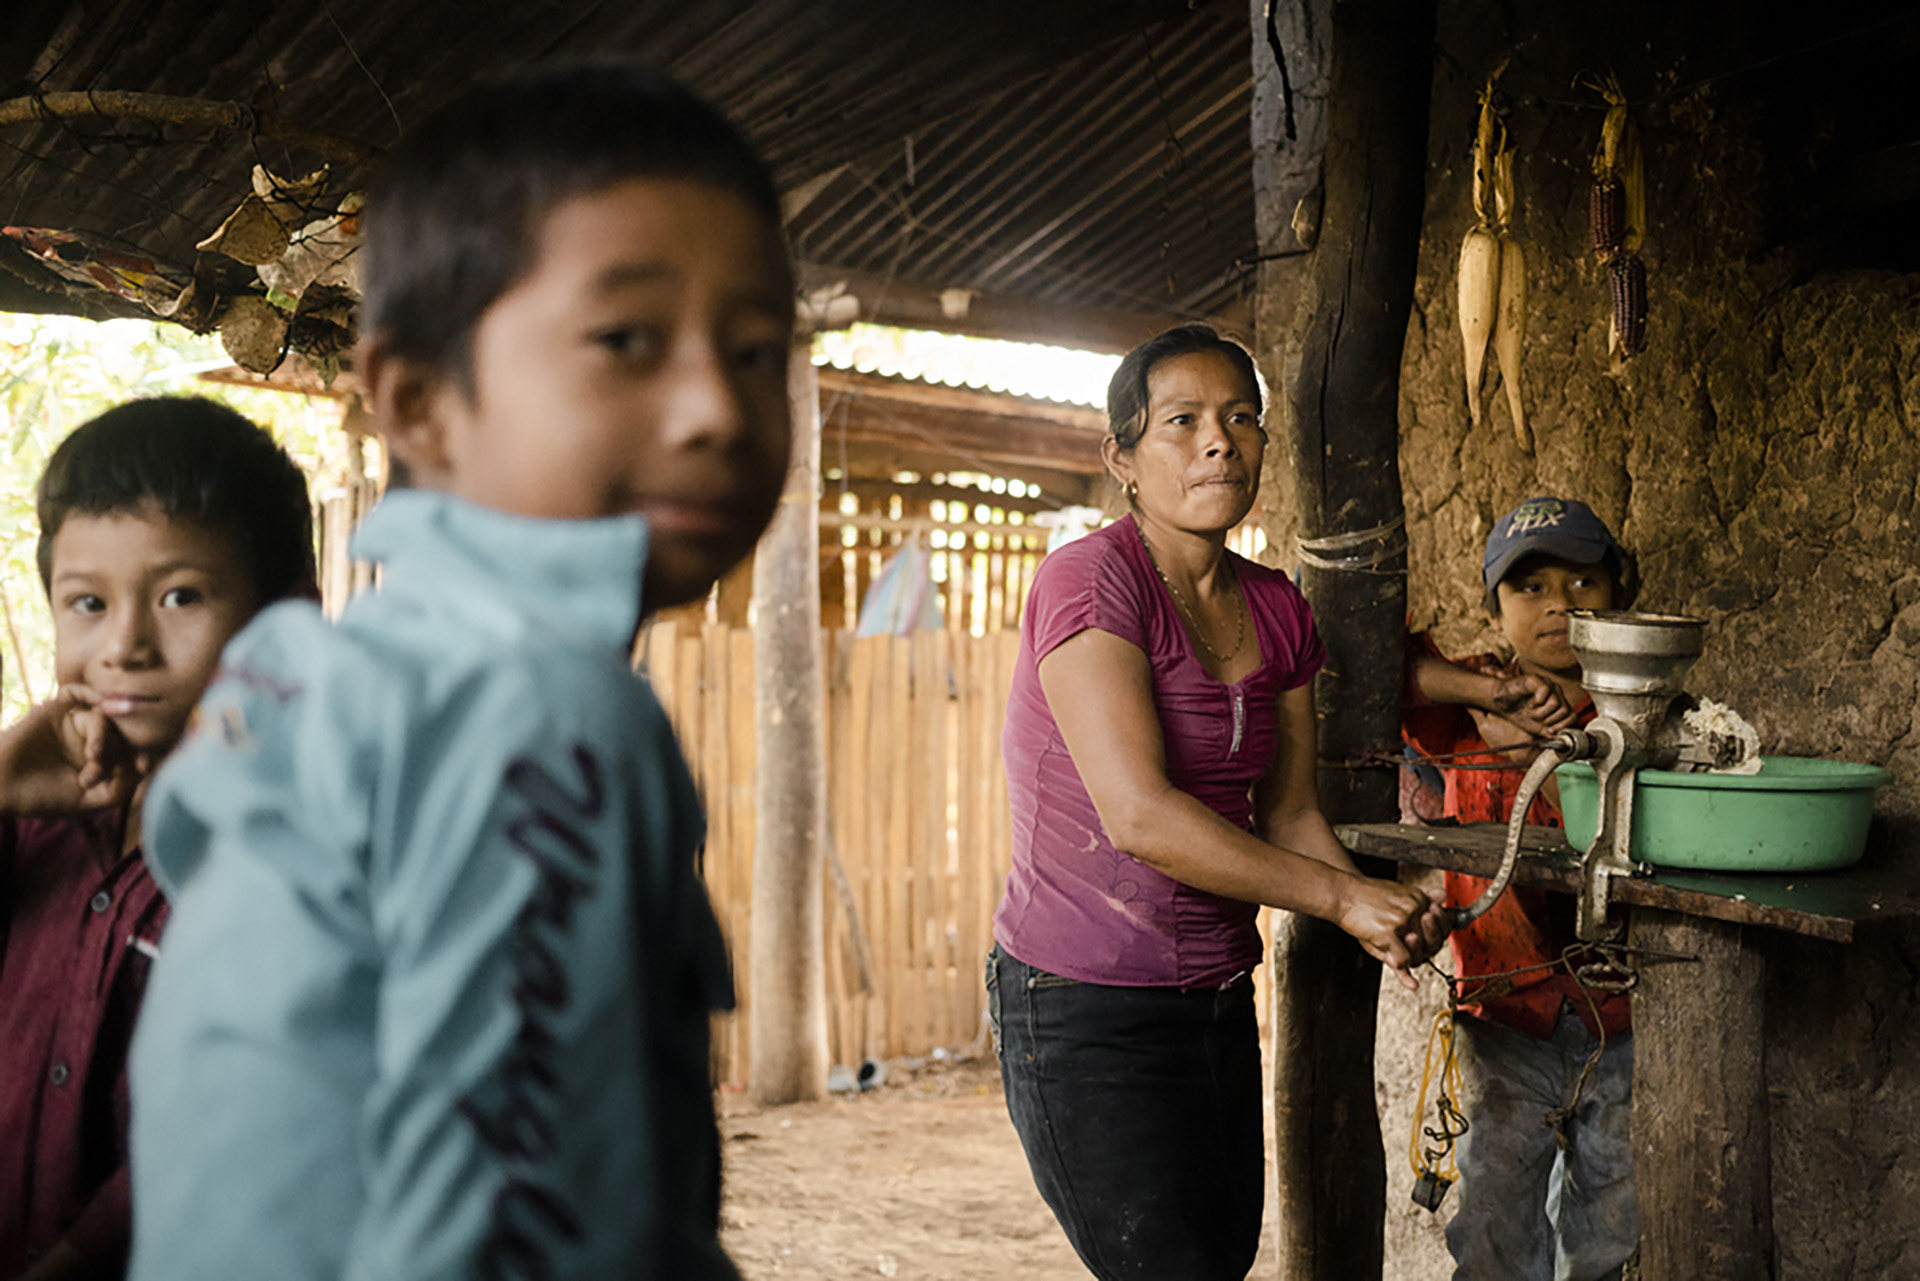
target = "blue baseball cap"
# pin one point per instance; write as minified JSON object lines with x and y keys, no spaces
{"x":1564,"y":528}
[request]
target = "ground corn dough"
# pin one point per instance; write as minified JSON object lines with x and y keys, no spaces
{"x":1731,"y":742}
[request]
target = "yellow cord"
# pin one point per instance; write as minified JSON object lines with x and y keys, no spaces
{"x":1450,"y":1091}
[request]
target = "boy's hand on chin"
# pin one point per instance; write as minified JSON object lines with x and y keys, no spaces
{"x":65,"y":756}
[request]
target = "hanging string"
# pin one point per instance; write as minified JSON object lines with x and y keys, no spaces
{"x":1594,"y":968}
{"x":1380,"y":757}
{"x":1366,"y":549}
{"x":1438,"y":1163}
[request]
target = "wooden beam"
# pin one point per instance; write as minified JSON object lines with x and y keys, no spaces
{"x":967,"y":442}
{"x":1702,"y":1144}
{"x":296,"y":376}
{"x":787,"y":958}
{"x":926,"y":524}
{"x":869,"y":461}
{"x":939,"y":420}
{"x":1343,"y":406}
{"x":917,"y":304}
{"x":1829,"y":906}
{"x":879,"y":485}
{"x":925,"y":395}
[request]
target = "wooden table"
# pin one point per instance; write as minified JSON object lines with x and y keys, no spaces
{"x":1701,"y":1143}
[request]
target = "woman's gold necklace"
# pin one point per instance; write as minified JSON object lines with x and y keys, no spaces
{"x":1193,"y":620}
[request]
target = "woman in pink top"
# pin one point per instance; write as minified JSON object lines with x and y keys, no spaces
{"x":1160,"y":764}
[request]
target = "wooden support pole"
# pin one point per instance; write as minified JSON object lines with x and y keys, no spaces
{"x":1702,"y":1149}
{"x":1330,"y":1163}
{"x":1342,"y":382}
{"x":1344,"y":386}
{"x":788,"y":1020}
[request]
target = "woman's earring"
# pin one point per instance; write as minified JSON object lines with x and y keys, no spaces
{"x":1133,"y":491}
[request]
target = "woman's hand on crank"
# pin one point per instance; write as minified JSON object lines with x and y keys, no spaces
{"x":1436,"y":923}
{"x":1398,"y":926}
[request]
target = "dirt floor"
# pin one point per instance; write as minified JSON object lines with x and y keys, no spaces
{"x":923,"y":1178}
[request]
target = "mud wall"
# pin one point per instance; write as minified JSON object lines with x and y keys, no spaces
{"x":1762,"y":458}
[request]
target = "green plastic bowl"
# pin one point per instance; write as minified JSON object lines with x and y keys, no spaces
{"x":1798,"y":814}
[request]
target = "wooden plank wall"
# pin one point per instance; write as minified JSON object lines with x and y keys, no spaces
{"x":917,"y":799}
{"x":983,"y":560}
{"x":346,"y":493}
{"x":981,"y":569}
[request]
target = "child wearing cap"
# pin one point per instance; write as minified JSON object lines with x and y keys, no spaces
{"x":1546,"y":1171}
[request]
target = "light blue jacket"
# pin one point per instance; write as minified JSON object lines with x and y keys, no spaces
{"x":433,"y":1002}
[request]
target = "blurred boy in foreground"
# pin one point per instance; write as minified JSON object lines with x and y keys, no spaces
{"x":436,"y":994}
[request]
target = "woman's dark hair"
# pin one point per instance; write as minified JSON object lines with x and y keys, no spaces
{"x":1127,"y":392}
{"x":195,"y":460}
{"x":453,"y":219}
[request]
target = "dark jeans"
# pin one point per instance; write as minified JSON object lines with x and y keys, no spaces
{"x":1139,"y":1108}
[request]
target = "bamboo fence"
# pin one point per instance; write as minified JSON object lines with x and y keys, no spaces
{"x":917,"y":803}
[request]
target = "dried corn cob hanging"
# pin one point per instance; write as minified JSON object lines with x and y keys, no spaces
{"x":1510,"y":321}
{"x":1510,"y":332}
{"x":1492,"y":272}
{"x":1607,"y":207}
{"x":1618,"y":210}
{"x":1627,"y":286}
{"x":1479,"y":305}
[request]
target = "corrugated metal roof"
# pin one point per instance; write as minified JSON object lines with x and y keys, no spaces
{"x":1081,"y":153}
{"x":1121,"y":179}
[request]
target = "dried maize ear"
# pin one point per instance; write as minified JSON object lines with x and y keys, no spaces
{"x":1479,"y":285}
{"x":1607,"y":207}
{"x":1510,"y":333}
{"x":1627,"y":282}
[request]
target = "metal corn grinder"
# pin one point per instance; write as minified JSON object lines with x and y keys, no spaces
{"x":1632,"y":665}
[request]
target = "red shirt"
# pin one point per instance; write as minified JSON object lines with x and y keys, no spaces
{"x":79,"y":922}
{"x":1527,"y":926}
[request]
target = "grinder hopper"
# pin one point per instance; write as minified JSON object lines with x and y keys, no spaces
{"x":1633,"y":664}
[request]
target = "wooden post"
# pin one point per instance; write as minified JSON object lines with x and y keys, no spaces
{"x":1702,"y":1150}
{"x":1330,"y":1164}
{"x":1342,"y":381}
{"x":733,"y":596}
{"x":788,"y":1020}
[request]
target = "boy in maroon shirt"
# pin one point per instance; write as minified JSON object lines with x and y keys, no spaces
{"x":165,"y":525}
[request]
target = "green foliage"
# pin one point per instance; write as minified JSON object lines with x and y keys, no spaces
{"x":56,"y":373}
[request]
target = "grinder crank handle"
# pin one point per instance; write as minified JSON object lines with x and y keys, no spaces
{"x":1567,"y":745}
